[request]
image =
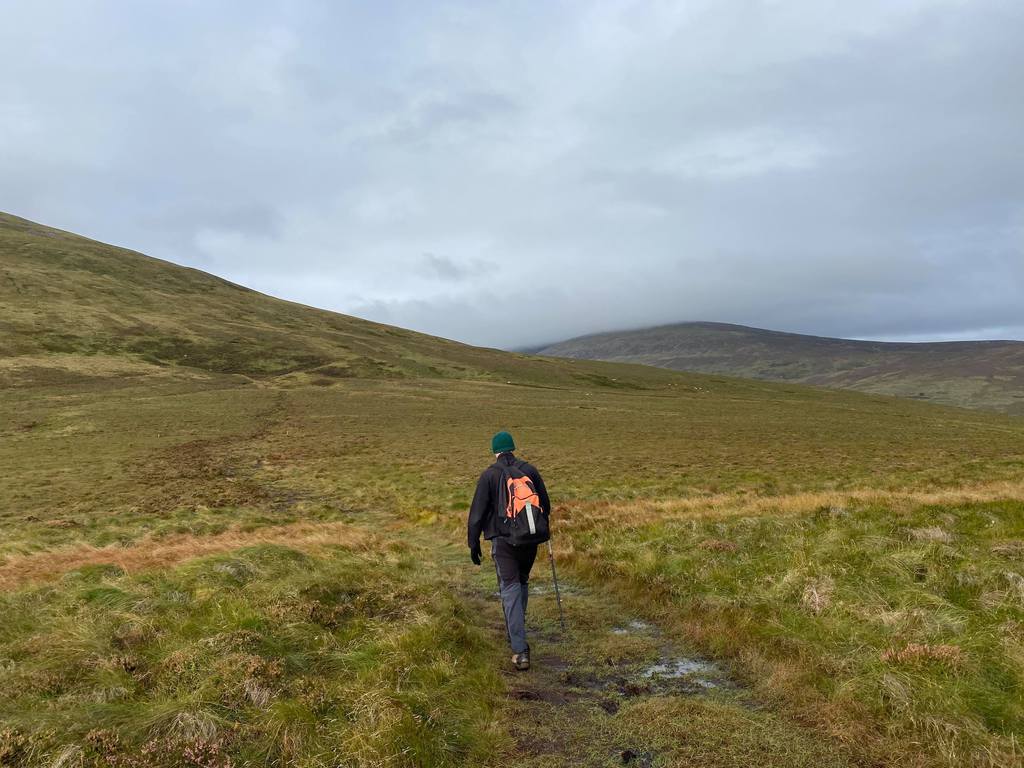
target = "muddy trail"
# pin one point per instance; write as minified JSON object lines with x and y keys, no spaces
{"x":614,"y":689}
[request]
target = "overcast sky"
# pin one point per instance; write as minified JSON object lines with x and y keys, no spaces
{"x":514,"y":173}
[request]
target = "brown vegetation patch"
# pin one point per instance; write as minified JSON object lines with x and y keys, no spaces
{"x":916,"y":653}
{"x":817,"y":594}
{"x":932,"y":533}
{"x":61,"y":370}
{"x":1009,"y":549}
{"x":743,"y":504}
{"x":170,"y":550}
{"x":104,"y":747}
{"x":200,"y":472}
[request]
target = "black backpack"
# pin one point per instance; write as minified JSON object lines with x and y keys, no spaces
{"x":523,"y":519}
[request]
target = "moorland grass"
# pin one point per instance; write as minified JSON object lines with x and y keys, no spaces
{"x":710,"y":500}
{"x":856,"y":558}
{"x":908,"y":619}
{"x":265,"y":655}
{"x":118,"y":463}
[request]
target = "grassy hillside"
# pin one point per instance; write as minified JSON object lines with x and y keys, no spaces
{"x":90,"y":307}
{"x":230,"y":561}
{"x":974,"y":374}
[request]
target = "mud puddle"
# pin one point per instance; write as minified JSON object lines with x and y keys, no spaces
{"x":637,"y":759}
{"x":609,"y":686}
{"x":687,"y":670}
{"x":636,"y":627}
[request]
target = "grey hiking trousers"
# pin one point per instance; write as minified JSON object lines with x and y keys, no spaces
{"x":513,"y":565}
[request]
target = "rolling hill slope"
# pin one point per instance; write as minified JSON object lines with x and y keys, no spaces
{"x":975,"y":374}
{"x":88,"y":306}
{"x":234,"y":535}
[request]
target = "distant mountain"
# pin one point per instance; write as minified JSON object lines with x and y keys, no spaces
{"x":973,"y":374}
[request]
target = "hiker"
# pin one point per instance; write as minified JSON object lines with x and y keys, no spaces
{"x":510,"y":508}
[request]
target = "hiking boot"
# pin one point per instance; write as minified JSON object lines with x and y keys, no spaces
{"x":521,"y":661}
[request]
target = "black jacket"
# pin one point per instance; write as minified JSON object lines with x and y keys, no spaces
{"x":484,"y":513}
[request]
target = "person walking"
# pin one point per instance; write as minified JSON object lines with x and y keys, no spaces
{"x":510,"y":508}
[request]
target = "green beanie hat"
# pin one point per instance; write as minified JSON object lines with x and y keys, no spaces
{"x":502,"y":442}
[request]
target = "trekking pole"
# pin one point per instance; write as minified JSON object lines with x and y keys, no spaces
{"x":558,"y":594}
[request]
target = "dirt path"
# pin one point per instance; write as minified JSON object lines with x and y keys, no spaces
{"x":615,"y":690}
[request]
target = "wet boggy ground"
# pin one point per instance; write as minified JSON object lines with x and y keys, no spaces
{"x":616,"y":689}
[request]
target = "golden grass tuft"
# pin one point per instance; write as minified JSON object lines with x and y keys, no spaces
{"x":932,"y":533}
{"x":647,"y":511}
{"x":148,"y":554}
{"x":1012,"y":549}
{"x":917,"y":653}
{"x":817,"y":595}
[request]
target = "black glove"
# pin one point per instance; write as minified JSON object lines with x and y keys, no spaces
{"x":474,"y":554}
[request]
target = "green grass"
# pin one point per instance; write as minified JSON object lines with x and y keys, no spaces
{"x":824,"y":603}
{"x":233,"y":536}
{"x":160,"y":456}
{"x":404,"y":454}
{"x":266,"y":655}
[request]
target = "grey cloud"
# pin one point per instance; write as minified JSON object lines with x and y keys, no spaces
{"x":448,"y":270}
{"x":834,"y":168}
{"x":436,"y":118}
